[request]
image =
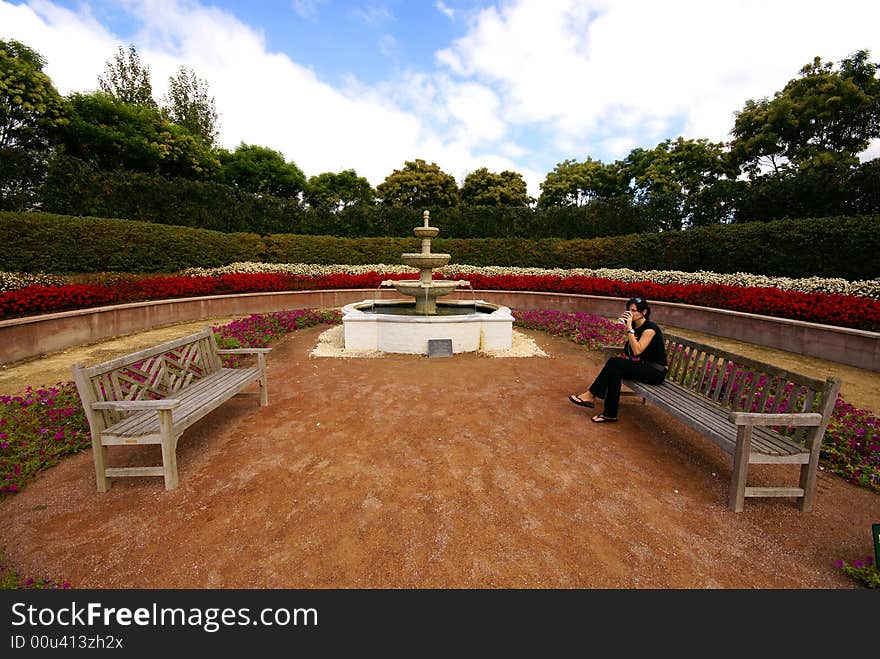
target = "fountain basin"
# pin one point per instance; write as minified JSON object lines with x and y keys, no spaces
{"x":394,"y":326}
{"x":418,"y":290}
{"x":424,"y":260}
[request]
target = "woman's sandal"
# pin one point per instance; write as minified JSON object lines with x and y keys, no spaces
{"x":601,"y":418}
{"x":574,"y":398}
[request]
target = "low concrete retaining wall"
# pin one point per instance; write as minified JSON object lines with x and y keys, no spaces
{"x":26,"y":338}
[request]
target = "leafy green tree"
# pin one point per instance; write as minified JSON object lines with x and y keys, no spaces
{"x":188,"y":104}
{"x":825,"y":116}
{"x":113,"y":134}
{"x":573,"y":183}
{"x":261,"y":170}
{"x":30,"y":110}
{"x":338,"y":191}
{"x":669,"y":181}
{"x":484,"y":188}
{"x":419,"y":185}
{"x":127,"y":79}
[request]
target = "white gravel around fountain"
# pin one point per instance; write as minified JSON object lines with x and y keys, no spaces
{"x":331,"y":343}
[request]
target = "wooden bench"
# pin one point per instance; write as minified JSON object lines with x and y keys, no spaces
{"x":152,"y":396}
{"x":755,"y":412}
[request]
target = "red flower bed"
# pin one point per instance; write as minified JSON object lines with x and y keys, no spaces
{"x":827,"y":308}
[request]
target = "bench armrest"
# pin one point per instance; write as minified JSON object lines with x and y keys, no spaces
{"x":244,"y":351}
{"x":611,"y":349}
{"x":133,"y":405}
{"x":788,"y":419}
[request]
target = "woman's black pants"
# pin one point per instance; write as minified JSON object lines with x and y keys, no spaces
{"x":607,"y":384}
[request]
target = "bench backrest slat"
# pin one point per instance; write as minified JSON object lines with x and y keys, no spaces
{"x":778,"y":395}
{"x":765,"y":393}
{"x":745,"y":362}
{"x":738,"y":383}
{"x":151,"y":374}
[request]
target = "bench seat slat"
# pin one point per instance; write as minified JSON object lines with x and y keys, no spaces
{"x":197,"y":400}
{"x":706,"y":417}
{"x":764,"y":440}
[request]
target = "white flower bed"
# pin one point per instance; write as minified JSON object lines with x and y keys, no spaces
{"x":12,"y":281}
{"x":865,"y":288}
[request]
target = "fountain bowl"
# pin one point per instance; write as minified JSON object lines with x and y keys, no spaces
{"x":394,"y":326}
{"x":415,"y":288}
{"x":420,"y":260}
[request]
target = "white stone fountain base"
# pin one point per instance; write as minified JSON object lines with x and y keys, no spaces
{"x":490,"y":329}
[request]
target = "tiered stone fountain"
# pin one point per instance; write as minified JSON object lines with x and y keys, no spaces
{"x":410,"y":325}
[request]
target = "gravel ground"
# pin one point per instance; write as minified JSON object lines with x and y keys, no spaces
{"x":405,"y":471}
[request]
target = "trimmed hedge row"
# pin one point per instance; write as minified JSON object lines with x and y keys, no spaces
{"x":844,"y":247}
{"x":41,"y":242}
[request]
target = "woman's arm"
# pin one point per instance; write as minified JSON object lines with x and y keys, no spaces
{"x":638,"y":346}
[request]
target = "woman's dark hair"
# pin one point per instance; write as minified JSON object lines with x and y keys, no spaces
{"x":641,"y":304}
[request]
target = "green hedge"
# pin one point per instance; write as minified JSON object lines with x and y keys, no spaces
{"x":827,"y":247}
{"x":42,"y":242}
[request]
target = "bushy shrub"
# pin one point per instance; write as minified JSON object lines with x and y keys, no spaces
{"x":74,"y":187}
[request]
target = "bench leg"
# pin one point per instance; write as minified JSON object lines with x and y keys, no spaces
{"x":264,"y":382}
{"x":169,"y":450}
{"x":740,"y":469}
{"x":264,"y":391}
{"x":100,"y":453}
{"x":808,"y":476}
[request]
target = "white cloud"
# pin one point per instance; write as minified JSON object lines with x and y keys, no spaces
{"x":873,"y":151}
{"x":684,"y":65}
{"x":529,"y":84}
{"x":443,"y":9}
{"x":51,"y":30}
{"x":373,"y":15}
{"x":387,"y":44}
{"x":476,"y":108}
{"x":307,"y":8}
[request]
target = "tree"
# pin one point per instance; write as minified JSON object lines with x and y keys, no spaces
{"x":823,"y":117}
{"x":338,"y":191}
{"x":188,"y":104}
{"x":113,"y":134}
{"x":261,"y":170}
{"x":419,"y":185}
{"x":127,"y":79}
{"x":573,"y":183}
{"x":672,"y":180}
{"x":30,"y":110}
{"x":484,"y":188}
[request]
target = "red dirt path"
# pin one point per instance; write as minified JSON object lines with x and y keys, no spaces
{"x":408,"y":472}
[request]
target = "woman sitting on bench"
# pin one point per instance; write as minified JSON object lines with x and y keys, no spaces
{"x":644,"y":360}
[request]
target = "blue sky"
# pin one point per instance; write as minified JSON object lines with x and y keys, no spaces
{"x":511,"y":84}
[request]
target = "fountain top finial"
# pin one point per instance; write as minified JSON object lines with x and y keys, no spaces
{"x":427,"y":216}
